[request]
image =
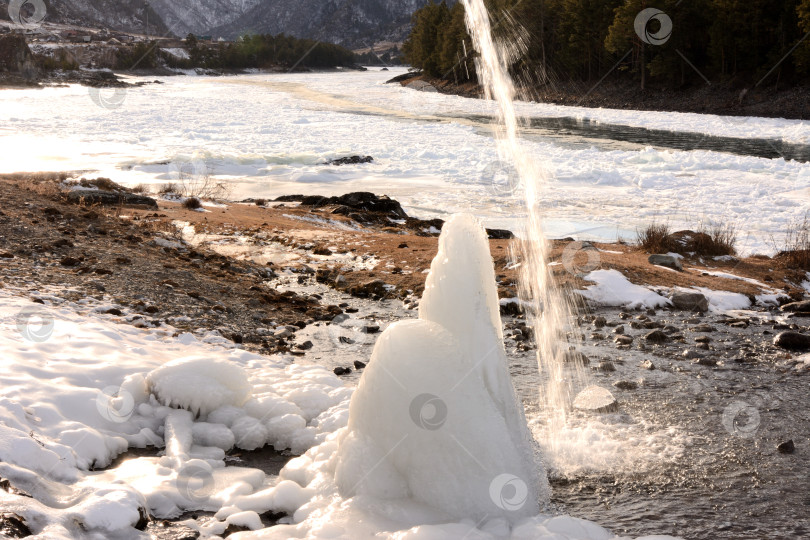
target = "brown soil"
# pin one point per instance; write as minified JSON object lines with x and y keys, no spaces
{"x":113,"y":250}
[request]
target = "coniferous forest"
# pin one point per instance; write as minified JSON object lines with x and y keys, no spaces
{"x":745,"y":43}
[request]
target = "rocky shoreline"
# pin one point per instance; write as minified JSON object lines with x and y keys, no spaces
{"x":725,"y":99}
{"x":199,"y":268}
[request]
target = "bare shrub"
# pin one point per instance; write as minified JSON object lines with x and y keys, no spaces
{"x":261,"y":202}
{"x":192,"y":203}
{"x":795,"y":249}
{"x":142,"y":189}
{"x":168,"y":190}
{"x":715,"y":239}
{"x":194,"y":180}
{"x":654,"y":238}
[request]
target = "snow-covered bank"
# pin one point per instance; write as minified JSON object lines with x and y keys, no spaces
{"x":78,"y":389}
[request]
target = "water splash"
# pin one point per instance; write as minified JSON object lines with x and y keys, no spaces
{"x":551,"y":311}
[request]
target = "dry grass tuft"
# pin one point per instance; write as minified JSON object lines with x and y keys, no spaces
{"x":192,"y":203}
{"x":794,"y":252}
{"x":654,"y":238}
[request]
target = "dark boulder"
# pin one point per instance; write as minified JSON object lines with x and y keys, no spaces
{"x":792,"y":341}
{"x":109,"y":198}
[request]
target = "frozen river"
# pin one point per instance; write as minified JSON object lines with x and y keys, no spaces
{"x":609,"y":171}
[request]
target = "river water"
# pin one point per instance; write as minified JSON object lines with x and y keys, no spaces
{"x":267,"y":135}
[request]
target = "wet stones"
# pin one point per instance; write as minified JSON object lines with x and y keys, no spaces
{"x":792,"y":341}
{"x":624,"y":340}
{"x":704,"y":328}
{"x":656,"y":336}
{"x":647,"y":364}
{"x":690,"y":301}
{"x":803,"y":306}
{"x":786,"y":447}
{"x":13,"y":526}
{"x":625,"y":385}
{"x":571,"y":357}
{"x":667,"y":261}
{"x":606,"y":367}
{"x":359,"y":365}
{"x":600,"y":322}
{"x":340,"y":371}
{"x":596,"y":399}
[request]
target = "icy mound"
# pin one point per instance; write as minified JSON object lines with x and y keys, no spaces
{"x":199,"y":385}
{"x":435,"y":418}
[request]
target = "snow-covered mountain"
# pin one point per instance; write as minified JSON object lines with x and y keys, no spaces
{"x":347,"y":22}
{"x":201,"y":16}
{"x":353,"y":23}
{"x":127,"y":16}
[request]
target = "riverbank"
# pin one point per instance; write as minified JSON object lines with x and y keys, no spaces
{"x":725,"y":99}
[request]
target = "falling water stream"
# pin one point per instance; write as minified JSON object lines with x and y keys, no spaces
{"x":550,"y":310}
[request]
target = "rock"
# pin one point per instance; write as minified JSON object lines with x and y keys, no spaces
{"x":283,"y":333}
{"x":596,"y":399}
{"x":656,"y":336}
{"x":708,"y":362}
{"x":792,"y":341}
{"x":647,"y":364}
{"x":624,"y":340}
{"x":500,"y":234}
{"x":703,"y":346}
{"x":371,"y":329}
{"x":16,"y":57}
{"x":619,"y":330}
{"x":70,"y":261}
{"x":6,"y":255}
{"x":575,"y":356}
{"x":359,"y":365}
{"x":786,"y":447}
{"x":90,"y":197}
{"x":666,"y":260}
{"x":597,"y":336}
{"x":690,"y":301}
{"x":703,"y":339}
{"x":339,"y":371}
{"x":374,"y":287}
{"x":350,"y":160}
{"x":690,"y":355}
{"x":600,"y":322}
{"x":114,"y":311}
{"x":625,"y":385}
{"x":704,"y":328}
{"x":305,"y":346}
{"x":606,"y":367}
{"x":739,"y":324}
{"x":804,"y":305}
{"x":13,"y":526}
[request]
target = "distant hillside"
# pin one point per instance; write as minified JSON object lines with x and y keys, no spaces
{"x":126,"y":16}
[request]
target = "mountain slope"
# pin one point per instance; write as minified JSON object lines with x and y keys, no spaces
{"x":127,"y":16}
{"x":200,"y":16}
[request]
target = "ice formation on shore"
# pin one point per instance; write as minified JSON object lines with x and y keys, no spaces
{"x":435,"y":417}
